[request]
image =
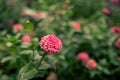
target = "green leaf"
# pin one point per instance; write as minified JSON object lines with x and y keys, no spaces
{"x":9,"y":58}
{"x":27,"y":72}
{"x":6,"y":59}
{"x":17,"y":36}
{"x":11,"y":38}
{"x":106,"y":71}
{"x":30,"y":74}
{"x":28,"y":26}
{"x":40,"y":52}
{"x":41,"y":72}
{"x":9,"y":44}
{"x":50,"y":62}
{"x":92,"y":74}
{"x":35,"y":41}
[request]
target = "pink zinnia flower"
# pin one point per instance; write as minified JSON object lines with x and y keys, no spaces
{"x":91,"y":64}
{"x":76,"y":25}
{"x":51,"y":44}
{"x":117,"y":43}
{"x":17,"y":27}
{"x":106,"y":11}
{"x":26,"y":38}
{"x":83,"y":56}
{"x":116,"y":29}
{"x":115,"y":1}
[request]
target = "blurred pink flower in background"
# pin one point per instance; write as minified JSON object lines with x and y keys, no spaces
{"x":110,"y":22}
{"x":58,"y":12}
{"x":17,"y":27}
{"x":26,"y":38}
{"x":23,"y":14}
{"x":10,"y":21}
{"x":37,"y":15}
{"x":115,"y":29}
{"x":51,"y":44}
{"x":34,"y":14}
{"x":115,"y":1}
{"x":76,"y":25}
{"x":117,"y":43}
{"x":91,"y":64}
{"x":27,"y":1}
{"x":32,"y":33}
{"x":65,"y":5}
{"x":106,"y":11}
{"x":10,"y":3}
{"x":40,"y":15}
{"x":83,"y":56}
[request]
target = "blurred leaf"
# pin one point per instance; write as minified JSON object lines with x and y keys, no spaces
{"x":28,"y":26}
{"x":41,"y":73}
{"x":18,"y":35}
{"x":50,"y":62}
{"x":30,"y":74}
{"x":40,"y":52}
{"x":9,"y":44}
{"x":5,"y":59}
{"x":11,"y":38}
{"x":8,"y":58}
{"x":106,"y":71}
{"x":27,"y":72}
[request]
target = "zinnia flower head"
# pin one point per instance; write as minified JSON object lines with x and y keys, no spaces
{"x":91,"y":64}
{"x":17,"y":27}
{"x":116,"y":29}
{"x":26,"y":38}
{"x":50,"y":44}
{"x":115,"y":1}
{"x":106,"y":11}
{"x":117,"y":43}
{"x":83,"y":56}
{"x":76,"y":25}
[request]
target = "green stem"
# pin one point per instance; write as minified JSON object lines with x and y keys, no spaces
{"x":33,"y":54}
{"x":41,"y":60}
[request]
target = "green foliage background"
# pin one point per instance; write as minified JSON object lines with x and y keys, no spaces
{"x":94,"y":37}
